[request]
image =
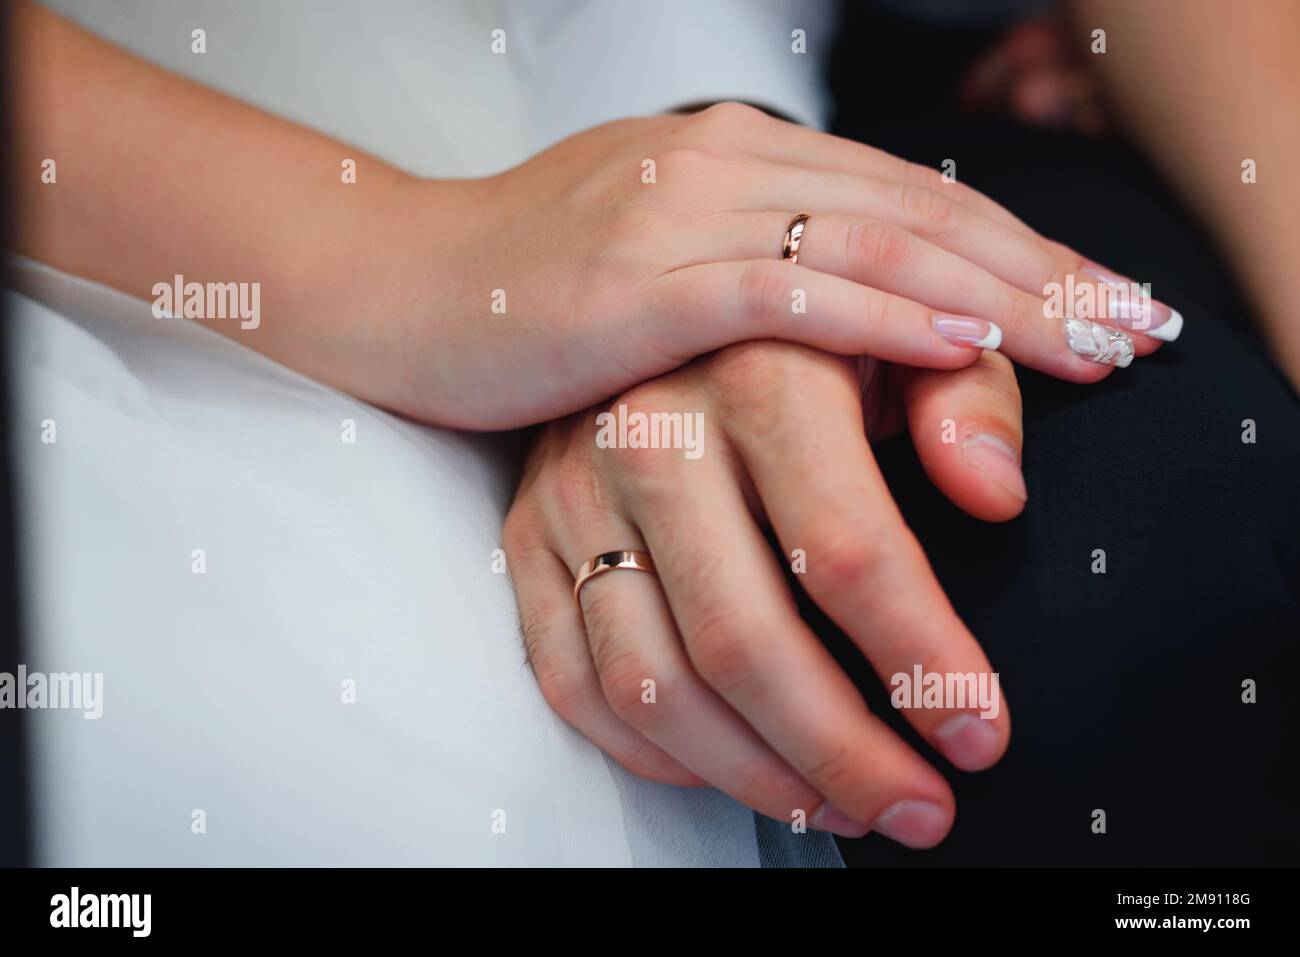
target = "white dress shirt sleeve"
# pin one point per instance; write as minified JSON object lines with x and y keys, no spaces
{"x":586,"y":62}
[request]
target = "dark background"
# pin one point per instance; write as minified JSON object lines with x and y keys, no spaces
{"x":1124,"y":688}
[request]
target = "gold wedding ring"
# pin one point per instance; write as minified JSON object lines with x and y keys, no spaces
{"x":793,"y":237}
{"x":607,"y":562}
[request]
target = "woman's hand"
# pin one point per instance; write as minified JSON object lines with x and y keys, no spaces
{"x":625,"y":251}
{"x":615,"y":256}
{"x":744,"y":696}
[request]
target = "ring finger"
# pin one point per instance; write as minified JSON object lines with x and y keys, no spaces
{"x":889,"y":258}
{"x":648,"y":682}
{"x":1010,"y":251}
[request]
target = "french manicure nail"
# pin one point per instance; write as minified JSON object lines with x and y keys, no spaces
{"x":914,"y":823}
{"x":1137,"y":311}
{"x":971,"y":743}
{"x":968,"y":331}
{"x":1097,"y":343}
{"x":830,"y":818}
{"x":996,"y":459}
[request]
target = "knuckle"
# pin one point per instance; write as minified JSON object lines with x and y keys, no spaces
{"x":684,"y":163}
{"x":884,"y":312}
{"x":721,"y":651}
{"x":761,"y":388}
{"x":881,"y":312}
{"x":1049,"y":268}
{"x":747,"y":370}
{"x":730,"y":114}
{"x":566,"y":687}
{"x":642,"y":761}
{"x":519,"y":531}
{"x":754,"y":384}
{"x":998,"y":380}
{"x":837,"y":774}
{"x":579,"y":488}
{"x":765,"y":286}
{"x":966,"y":194}
{"x":926,"y":176}
{"x":932,"y":659}
{"x":1013,"y":309}
{"x":759,"y":789}
{"x":622,"y":677}
{"x":883,"y":249}
{"x":847,"y":556}
{"x":645,"y":468}
{"x":1025,"y":309}
{"x":648,"y":397}
{"x":927,"y":210}
{"x":644,"y":212}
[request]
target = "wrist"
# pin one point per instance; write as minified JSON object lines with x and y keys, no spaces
{"x":384,"y":294}
{"x":428,"y":258}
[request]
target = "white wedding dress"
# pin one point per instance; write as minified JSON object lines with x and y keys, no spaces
{"x":308,"y":656}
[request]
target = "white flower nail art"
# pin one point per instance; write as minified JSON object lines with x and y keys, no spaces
{"x":1099,"y":343}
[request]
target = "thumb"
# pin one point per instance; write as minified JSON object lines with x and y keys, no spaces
{"x":967,"y":428}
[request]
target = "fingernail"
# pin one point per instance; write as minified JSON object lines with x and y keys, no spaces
{"x":1097,"y":343}
{"x":968,"y":331}
{"x":1137,"y":311}
{"x":996,"y":459}
{"x":971,"y":743}
{"x":830,"y":818}
{"x":914,"y":823}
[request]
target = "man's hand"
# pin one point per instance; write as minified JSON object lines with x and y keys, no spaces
{"x":704,"y":671}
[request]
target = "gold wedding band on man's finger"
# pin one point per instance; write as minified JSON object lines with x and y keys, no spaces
{"x":633,"y":558}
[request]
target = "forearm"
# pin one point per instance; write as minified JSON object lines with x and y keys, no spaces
{"x":625,"y":250}
{"x":157,"y":176}
{"x":1204,"y":86}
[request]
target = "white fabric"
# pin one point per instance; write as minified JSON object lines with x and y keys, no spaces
{"x":326,"y":562}
{"x":590,"y":61}
{"x":416,"y":82}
